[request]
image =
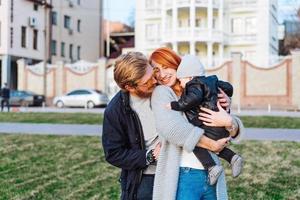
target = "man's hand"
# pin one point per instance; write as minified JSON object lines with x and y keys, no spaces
{"x":220,"y":144}
{"x":156,"y":151}
{"x":168,"y":106}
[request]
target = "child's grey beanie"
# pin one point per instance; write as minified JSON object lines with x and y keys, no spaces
{"x":190,"y":66}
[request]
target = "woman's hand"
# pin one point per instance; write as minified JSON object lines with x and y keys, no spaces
{"x":224,"y":100}
{"x":216,"y":119}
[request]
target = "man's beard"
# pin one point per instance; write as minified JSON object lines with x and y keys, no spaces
{"x":145,"y":94}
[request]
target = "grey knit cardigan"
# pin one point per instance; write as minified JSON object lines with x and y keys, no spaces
{"x":176,"y":134}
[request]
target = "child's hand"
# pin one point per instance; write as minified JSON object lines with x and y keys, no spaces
{"x":168,"y":106}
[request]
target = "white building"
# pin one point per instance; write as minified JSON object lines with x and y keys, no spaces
{"x":211,"y":29}
{"x":73,"y":33}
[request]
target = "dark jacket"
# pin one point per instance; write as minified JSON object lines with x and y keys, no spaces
{"x":123,"y":143}
{"x":5,"y":93}
{"x":202,"y":91}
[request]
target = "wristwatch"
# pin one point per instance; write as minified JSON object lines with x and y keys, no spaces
{"x":150,"y":159}
{"x":231,"y":128}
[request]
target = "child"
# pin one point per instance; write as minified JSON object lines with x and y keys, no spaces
{"x":201,"y":91}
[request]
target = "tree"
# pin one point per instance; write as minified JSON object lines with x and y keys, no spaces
{"x":131,"y":18}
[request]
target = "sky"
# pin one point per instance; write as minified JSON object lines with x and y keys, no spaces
{"x":121,"y":10}
{"x":286,"y":8}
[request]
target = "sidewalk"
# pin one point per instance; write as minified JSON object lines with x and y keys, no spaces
{"x":51,"y":129}
{"x":96,"y":130}
{"x":252,"y":112}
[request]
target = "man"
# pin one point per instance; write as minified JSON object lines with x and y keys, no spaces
{"x":129,"y":138}
{"x":5,"y":94}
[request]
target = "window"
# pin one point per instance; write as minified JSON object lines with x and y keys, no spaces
{"x":78,"y":2}
{"x":198,"y":22}
{"x":12,"y":11}
{"x":78,"y":52}
{"x":149,"y":4}
{"x":54,"y":18}
{"x":76,"y":92}
{"x":53,"y":47}
{"x":236,"y":26}
{"x":35,"y":39}
{"x":71,"y":51}
{"x":150,"y":32}
{"x":62,"y":49}
{"x":214,"y":23}
{"x":78,"y":25}
{"x":67,"y":22}
{"x":183,"y":23}
{"x":11,"y":37}
{"x":35,"y":6}
{"x":79,"y":92}
{"x":250,"y":25}
{"x":23,"y":36}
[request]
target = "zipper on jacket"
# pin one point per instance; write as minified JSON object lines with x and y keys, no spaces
{"x":142,"y":141}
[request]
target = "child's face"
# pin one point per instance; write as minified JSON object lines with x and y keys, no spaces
{"x":183,"y":81}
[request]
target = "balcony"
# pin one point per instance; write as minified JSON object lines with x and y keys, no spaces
{"x":196,"y":34}
{"x":169,"y":4}
{"x":240,"y":5}
{"x":183,"y":3}
{"x":152,"y":13}
{"x":204,"y":3}
{"x":242,"y":38}
{"x":187,"y":3}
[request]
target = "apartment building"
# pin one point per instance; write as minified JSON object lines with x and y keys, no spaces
{"x":76,"y":30}
{"x":211,"y":29}
{"x":52,"y":30}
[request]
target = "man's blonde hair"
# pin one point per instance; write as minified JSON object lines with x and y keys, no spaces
{"x":129,"y":68}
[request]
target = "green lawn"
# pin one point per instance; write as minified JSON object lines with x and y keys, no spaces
{"x":52,"y":118}
{"x":53,"y":167}
{"x":271,"y":122}
{"x":90,"y":118}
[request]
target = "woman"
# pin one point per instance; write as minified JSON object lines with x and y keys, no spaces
{"x":179,"y":174}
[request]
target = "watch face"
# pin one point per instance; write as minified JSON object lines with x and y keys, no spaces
{"x":150,"y":157}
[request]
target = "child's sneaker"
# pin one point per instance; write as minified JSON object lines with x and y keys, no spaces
{"x":213,"y":173}
{"x":236,"y":165}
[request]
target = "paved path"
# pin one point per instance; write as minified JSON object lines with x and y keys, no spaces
{"x":272,"y":134}
{"x":101,"y":110}
{"x":96,"y":130}
{"x":57,"y":110}
{"x":51,"y":129}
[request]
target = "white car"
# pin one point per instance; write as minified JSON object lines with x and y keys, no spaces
{"x":88,"y":98}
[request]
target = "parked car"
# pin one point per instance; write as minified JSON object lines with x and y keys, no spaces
{"x":25,"y":98}
{"x":89,"y":98}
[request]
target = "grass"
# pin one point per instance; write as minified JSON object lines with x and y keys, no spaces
{"x":48,"y":167}
{"x":52,"y":118}
{"x":54,"y":167}
{"x":271,"y":122}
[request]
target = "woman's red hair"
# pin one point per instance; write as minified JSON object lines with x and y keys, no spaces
{"x":168,"y":59}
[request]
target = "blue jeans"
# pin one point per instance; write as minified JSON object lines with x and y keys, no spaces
{"x":193,"y":185}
